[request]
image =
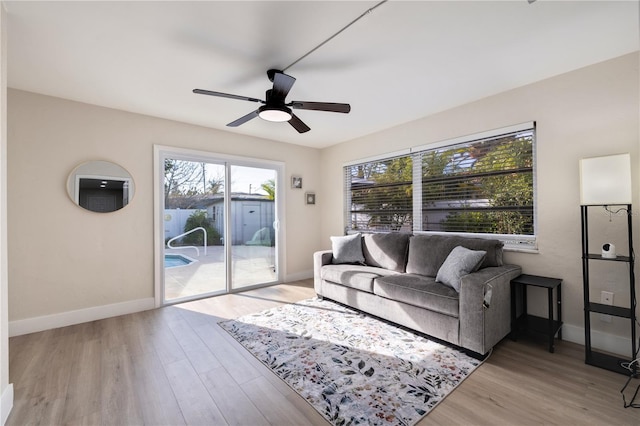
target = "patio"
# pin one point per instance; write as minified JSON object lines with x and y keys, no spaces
{"x":250,"y":265}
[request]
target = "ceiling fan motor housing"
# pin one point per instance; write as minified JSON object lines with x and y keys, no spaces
{"x":274,"y":108}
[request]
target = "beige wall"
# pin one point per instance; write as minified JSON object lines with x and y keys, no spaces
{"x":63,"y":258}
{"x":589,"y":112}
{"x":6,"y":390}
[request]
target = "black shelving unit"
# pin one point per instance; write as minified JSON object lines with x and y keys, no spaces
{"x":593,"y":357}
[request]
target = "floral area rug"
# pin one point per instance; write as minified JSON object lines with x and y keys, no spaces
{"x":352,"y":368}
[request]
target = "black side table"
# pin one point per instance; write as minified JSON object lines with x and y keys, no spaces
{"x":549,"y":326}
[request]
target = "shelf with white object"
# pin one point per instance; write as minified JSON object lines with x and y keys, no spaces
{"x":594,"y":357}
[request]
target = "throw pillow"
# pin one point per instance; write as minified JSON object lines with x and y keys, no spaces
{"x":460,"y":262}
{"x":347,"y":249}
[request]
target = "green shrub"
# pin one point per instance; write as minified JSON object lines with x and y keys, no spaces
{"x":199,"y":219}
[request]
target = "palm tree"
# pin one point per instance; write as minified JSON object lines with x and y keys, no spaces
{"x":270,"y":188}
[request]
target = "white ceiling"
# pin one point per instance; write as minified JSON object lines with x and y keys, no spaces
{"x":403,"y":61}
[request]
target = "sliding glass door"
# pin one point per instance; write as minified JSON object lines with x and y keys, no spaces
{"x":253,"y":236}
{"x":219,"y":224}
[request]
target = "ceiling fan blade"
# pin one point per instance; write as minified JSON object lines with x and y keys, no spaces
{"x":321,"y":106}
{"x":282,"y":83}
{"x":243,"y":119}
{"x":225,"y":95}
{"x":298,"y":124}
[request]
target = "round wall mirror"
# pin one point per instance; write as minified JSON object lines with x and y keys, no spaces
{"x":100,"y":186}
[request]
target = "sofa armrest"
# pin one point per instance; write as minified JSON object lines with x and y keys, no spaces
{"x":482,"y":325}
{"x":320,"y":258}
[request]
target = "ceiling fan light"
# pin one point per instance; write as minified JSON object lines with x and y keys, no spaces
{"x":277,"y":114}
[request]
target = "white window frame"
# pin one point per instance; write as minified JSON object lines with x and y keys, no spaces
{"x":513,"y":242}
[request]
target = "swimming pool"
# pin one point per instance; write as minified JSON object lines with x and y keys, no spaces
{"x":176,"y":260}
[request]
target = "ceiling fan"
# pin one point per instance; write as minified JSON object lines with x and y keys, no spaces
{"x":274,"y":107}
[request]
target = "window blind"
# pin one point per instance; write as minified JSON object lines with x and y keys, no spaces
{"x":481,"y":186}
{"x":379,"y":195}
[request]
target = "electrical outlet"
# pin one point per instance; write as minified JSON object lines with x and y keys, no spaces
{"x":606,"y":298}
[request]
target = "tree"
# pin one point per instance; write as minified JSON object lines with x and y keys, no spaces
{"x":482,"y":187}
{"x":502,"y":176}
{"x":186,"y":184}
{"x":385,"y":193}
{"x":180,"y":177}
{"x":270,"y":188}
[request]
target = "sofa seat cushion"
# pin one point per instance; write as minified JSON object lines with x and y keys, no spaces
{"x":418,"y":290}
{"x":354,"y":276}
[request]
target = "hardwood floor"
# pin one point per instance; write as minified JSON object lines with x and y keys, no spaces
{"x":175,"y":366}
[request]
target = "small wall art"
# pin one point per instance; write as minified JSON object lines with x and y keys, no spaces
{"x":296,"y":182}
{"x":310,"y":197}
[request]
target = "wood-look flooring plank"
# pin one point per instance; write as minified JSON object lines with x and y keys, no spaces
{"x":157,"y":402}
{"x":119,"y":401}
{"x":23,"y":353}
{"x":275,"y":407}
{"x":36,"y":411}
{"x":112,"y":331}
{"x":84,"y":394}
{"x":234,"y":404}
{"x":239,"y":368}
{"x":277,"y":383}
{"x":197,"y":406}
{"x":136,"y":334}
{"x":310,"y":413}
{"x":91,"y":419}
{"x":202,"y":359}
{"x":49,"y":368}
{"x":41,"y":387}
{"x":164,"y":341}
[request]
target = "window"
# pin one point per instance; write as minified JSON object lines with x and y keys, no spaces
{"x":380,"y":195}
{"x":482,"y":185}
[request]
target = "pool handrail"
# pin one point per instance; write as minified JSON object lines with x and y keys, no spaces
{"x":204,"y":244}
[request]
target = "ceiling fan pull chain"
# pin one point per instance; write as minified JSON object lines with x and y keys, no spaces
{"x":333,"y":36}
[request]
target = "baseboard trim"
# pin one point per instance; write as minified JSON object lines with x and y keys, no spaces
{"x":63,"y":319}
{"x":6,"y":403}
{"x":304,"y":275}
{"x":599,"y":340}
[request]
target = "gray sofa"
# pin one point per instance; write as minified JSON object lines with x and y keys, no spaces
{"x":394,"y":277}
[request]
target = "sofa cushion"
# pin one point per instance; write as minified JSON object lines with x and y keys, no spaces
{"x":355,"y":276}
{"x":427,"y":253}
{"x":386,"y":250}
{"x":418,"y":290}
{"x":347,"y":249}
{"x":460,"y":262}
